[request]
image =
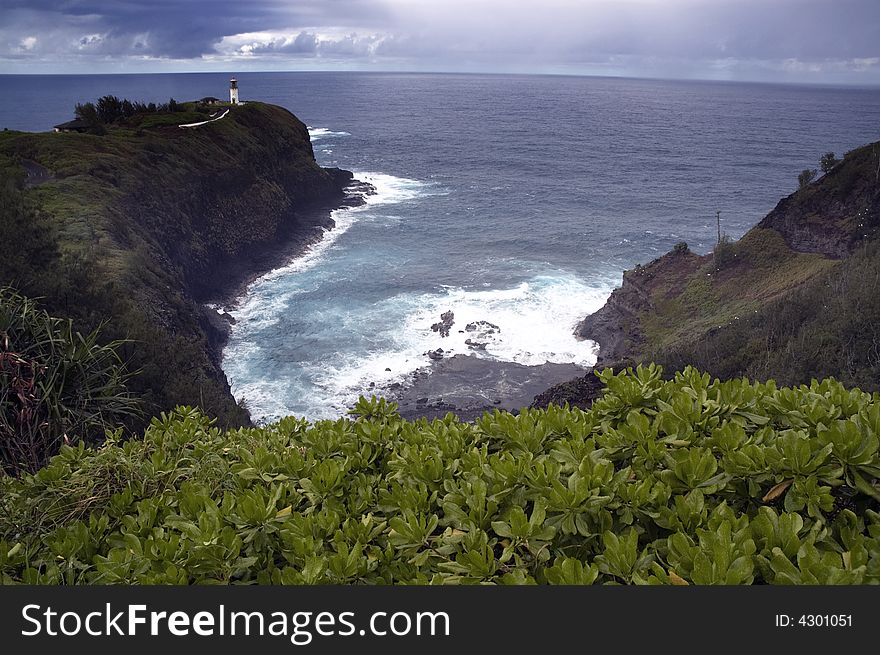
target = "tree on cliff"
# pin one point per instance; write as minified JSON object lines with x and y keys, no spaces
{"x":807,"y":175}
{"x":110,"y":109}
{"x":828,"y":161}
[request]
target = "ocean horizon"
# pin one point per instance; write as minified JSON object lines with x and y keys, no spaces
{"x":513,"y":201}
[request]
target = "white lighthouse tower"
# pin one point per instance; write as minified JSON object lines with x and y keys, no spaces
{"x":233,"y":91}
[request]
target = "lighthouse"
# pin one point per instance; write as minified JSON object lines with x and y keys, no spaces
{"x":233,"y":91}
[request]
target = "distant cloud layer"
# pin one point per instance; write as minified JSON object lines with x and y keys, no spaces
{"x":796,"y":40}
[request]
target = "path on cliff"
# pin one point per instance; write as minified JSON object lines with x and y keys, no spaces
{"x":223,"y":115}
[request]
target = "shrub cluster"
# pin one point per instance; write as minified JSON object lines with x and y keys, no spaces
{"x":724,"y":253}
{"x":683,"y":481}
{"x":56,"y":385}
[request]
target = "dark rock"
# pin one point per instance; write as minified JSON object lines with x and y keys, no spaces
{"x":388,"y":369}
{"x":435,"y":354}
{"x":579,"y":392}
{"x":202,"y":240}
{"x":616,"y":326}
{"x":832,"y":217}
{"x":446,"y":320}
{"x":484,"y":326}
{"x":356,"y":191}
{"x":468,"y":386}
{"x":475,"y":345}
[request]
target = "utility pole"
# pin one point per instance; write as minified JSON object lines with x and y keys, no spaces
{"x":718,"y":220}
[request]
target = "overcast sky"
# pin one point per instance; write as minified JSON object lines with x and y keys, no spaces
{"x":822,"y":41}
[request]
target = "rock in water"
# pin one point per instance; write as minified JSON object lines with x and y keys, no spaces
{"x":446,"y":320}
{"x":483,"y":326}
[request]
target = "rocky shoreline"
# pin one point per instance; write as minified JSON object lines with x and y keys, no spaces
{"x":469,"y":385}
{"x":465,"y":384}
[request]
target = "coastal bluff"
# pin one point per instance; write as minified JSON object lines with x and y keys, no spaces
{"x":137,"y":227}
{"x":796,"y":298}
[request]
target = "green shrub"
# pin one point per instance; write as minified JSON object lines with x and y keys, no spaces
{"x":724,"y":253}
{"x":682,"y":481}
{"x":56,"y":385}
{"x":828,"y":161}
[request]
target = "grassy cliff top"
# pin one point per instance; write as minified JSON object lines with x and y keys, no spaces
{"x":91,"y":179}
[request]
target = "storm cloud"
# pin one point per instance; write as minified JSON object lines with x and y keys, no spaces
{"x":797,"y":40}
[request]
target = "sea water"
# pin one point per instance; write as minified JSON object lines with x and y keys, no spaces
{"x":514,"y":200}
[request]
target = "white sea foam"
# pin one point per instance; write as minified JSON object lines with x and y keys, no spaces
{"x":265,"y":301}
{"x":535,"y":319}
{"x":535,"y":322}
{"x":269,"y":297}
{"x":316,"y":133}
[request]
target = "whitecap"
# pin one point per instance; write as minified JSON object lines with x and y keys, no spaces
{"x":268,"y":298}
{"x":316,"y":133}
{"x":530,"y":323}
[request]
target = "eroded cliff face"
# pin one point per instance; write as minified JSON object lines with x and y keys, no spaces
{"x":837,"y":212}
{"x":231,"y":188}
{"x":616,"y":327}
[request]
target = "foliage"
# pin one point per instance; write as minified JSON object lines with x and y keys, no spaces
{"x":723,"y":253}
{"x":829,"y":326}
{"x":56,"y":385}
{"x":680,"y":247}
{"x":110,"y":109}
{"x":798,"y":297}
{"x":828,"y":161}
{"x":806,"y":176}
{"x":683,"y":481}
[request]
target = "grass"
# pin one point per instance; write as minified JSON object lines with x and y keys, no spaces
{"x":761,"y":268}
{"x":177,"y":118}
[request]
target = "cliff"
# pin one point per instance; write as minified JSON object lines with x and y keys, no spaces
{"x":835,"y":214}
{"x":797,"y":297}
{"x":139,"y":226}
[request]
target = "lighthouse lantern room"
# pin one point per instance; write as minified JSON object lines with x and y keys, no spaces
{"x":233,"y":91}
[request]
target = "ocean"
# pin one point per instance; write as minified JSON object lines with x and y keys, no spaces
{"x":514,"y":200}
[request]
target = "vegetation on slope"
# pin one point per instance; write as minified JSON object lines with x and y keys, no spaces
{"x":688,"y":481}
{"x":828,"y":326}
{"x":134,"y":227}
